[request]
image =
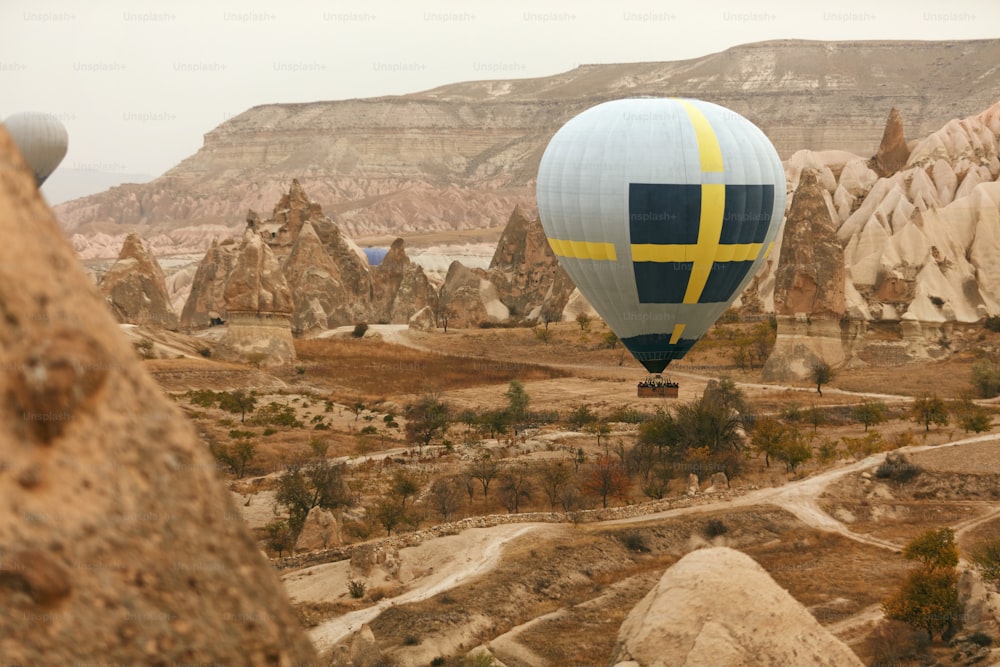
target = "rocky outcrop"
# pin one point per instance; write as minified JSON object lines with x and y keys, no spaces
{"x":321,"y":530}
{"x":118,"y":541}
{"x":206,"y":302}
{"x":468,"y":298}
{"x":461,"y":156}
{"x":808,"y":285}
{"x":718,"y":607}
{"x":527,"y":275}
{"x":893,"y":151}
{"x":135,"y":288}
{"x":259,"y":305}
{"x":322,"y":301}
{"x":401,"y":287}
{"x":921,"y":246}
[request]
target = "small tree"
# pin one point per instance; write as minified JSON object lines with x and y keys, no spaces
{"x":869,"y":413}
{"x":929,"y":410}
{"x":389,"y":513}
{"x":605,"y":478}
{"x":446,"y":496}
{"x":986,"y":557}
{"x":301,"y":488}
{"x":554,"y":476}
{"x":986,"y":379}
{"x":580,"y":417}
{"x":517,"y":401}
{"x":427,"y":419}
{"x":485,"y":469}
{"x":404,"y":486}
{"x":821,"y":373}
{"x":928,"y":598}
{"x":239,"y":401}
{"x":583,"y":319}
{"x":515,"y":487}
{"x":279,"y":536}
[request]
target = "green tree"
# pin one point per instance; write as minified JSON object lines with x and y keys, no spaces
{"x":986,"y":379}
{"x":794,"y":450}
{"x":320,"y":484}
{"x":929,"y":410}
{"x":517,"y":402}
{"x":985,"y":556}
{"x":972,"y":417}
{"x":238,"y":401}
{"x":238,"y":454}
{"x":869,"y":413}
{"x":580,"y":417}
{"x":821,"y":373}
{"x":279,"y":536}
{"x":426,"y":419}
{"x":583,"y":319}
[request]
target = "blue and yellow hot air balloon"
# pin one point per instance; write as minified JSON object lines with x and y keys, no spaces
{"x":661,"y":211}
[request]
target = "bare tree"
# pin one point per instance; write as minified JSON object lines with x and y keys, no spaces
{"x":554,"y":476}
{"x":485,"y":469}
{"x":446,"y":496}
{"x":515,"y":486}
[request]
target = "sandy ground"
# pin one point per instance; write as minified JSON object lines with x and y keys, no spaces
{"x":435,"y":566}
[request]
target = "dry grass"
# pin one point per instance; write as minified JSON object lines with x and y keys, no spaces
{"x":374,"y":369}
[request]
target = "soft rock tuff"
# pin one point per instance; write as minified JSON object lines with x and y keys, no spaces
{"x":135,"y":288}
{"x":117,"y":543}
{"x":718,"y":607}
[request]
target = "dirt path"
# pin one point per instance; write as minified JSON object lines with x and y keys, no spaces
{"x":471,"y":554}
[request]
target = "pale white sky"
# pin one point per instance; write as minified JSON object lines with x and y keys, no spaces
{"x":138,"y":83}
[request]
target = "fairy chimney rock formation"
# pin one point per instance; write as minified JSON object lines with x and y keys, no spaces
{"x":892,"y":152}
{"x":810,"y":273}
{"x":528,"y":277}
{"x":117,"y":542}
{"x":259,"y":305}
{"x":718,"y":607}
{"x":135,"y":288}
{"x":205,"y":304}
{"x":401,"y":287}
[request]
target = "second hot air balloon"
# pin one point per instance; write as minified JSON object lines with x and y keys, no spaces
{"x":42,"y":140}
{"x":661,"y":211}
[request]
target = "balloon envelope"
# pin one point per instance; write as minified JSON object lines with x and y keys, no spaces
{"x":661,"y":211}
{"x":42,"y":140}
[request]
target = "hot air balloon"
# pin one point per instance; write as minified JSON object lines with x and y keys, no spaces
{"x":661,"y":211}
{"x":42,"y":140}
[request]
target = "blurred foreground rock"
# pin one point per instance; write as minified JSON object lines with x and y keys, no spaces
{"x":118,"y":543}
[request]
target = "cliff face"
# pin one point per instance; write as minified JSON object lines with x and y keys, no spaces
{"x":461,"y":156}
{"x":920,"y":247}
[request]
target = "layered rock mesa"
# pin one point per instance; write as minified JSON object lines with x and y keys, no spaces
{"x":331,"y":284}
{"x":718,"y":607}
{"x":135,"y":288}
{"x":461,"y":156}
{"x":117,"y":542}
{"x":919,"y":247}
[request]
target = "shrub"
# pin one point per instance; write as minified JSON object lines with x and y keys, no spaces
{"x":356,"y":588}
{"x":411,"y":640}
{"x":980,"y":639}
{"x":360,"y":329}
{"x":986,"y":557}
{"x":898,"y":469}
{"x":634,"y":541}
{"x":714,"y":528}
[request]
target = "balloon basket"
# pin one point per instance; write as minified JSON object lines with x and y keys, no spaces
{"x":658,"y":387}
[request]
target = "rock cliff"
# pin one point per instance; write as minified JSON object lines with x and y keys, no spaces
{"x":461,"y":156}
{"x":718,"y":607}
{"x":921,"y":246}
{"x":135,"y":288}
{"x":117,"y":539}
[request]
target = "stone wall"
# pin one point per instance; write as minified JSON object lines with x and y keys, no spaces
{"x":454,"y":527}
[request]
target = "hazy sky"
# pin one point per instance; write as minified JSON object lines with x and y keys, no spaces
{"x":138,"y":83}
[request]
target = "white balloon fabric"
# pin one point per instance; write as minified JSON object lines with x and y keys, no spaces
{"x":42,"y":140}
{"x":661,"y":211}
